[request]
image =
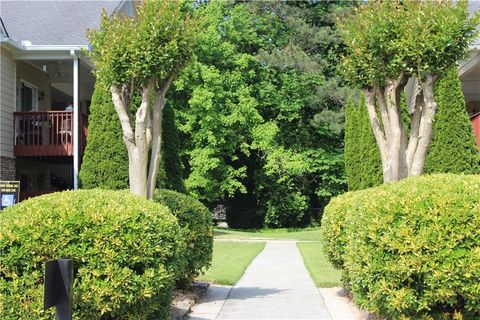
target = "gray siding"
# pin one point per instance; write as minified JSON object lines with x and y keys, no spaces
{"x":7,"y":102}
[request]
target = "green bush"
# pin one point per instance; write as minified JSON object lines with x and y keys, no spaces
{"x":195,"y":221}
{"x":410,"y":249}
{"x":126,"y":252}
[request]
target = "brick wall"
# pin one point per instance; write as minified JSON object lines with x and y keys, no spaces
{"x":7,"y":168}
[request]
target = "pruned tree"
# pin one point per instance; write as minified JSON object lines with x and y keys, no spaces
{"x":389,"y":42}
{"x":141,"y":56}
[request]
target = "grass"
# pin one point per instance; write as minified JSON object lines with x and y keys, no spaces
{"x":321,"y":271}
{"x":309,"y":234}
{"x":230,"y":259}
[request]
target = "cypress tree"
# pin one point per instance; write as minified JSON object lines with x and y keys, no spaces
{"x":105,"y":162}
{"x":351,"y":148}
{"x":170,"y":176}
{"x":362,"y":159}
{"x":453,"y":147}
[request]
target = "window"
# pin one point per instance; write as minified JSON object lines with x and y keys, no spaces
{"x":28,"y":96}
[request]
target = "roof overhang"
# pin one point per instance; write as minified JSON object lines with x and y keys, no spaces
{"x":23,"y":51}
{"x":466,"y":66}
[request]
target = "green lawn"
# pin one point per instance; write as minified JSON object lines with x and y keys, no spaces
{"x":321,"y":271}
{"x":230,"y":259}
{"x":310,"y":234}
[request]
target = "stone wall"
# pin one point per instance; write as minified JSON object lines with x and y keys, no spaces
{"x":7,"y":168}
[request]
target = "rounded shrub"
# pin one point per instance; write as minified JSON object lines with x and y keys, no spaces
{"x":410,"y":249}
{"x":195,"y":220}
{"x":126,"y":251}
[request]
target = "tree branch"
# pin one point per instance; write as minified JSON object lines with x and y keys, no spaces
{"x":376,"y":127}
{"x":124,"y":114}
{"x":414,"y":130}
{"x":380,"y":93}
{"x":141,"y":117}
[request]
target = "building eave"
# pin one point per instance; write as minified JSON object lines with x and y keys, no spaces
{"x":22,"y":51}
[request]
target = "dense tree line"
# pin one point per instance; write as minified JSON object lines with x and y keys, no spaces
{"x":260,"y":112}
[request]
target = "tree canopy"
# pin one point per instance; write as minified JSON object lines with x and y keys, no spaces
{"x":261,"y":111}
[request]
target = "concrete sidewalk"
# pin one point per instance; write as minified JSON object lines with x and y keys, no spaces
{"x":276,"y":285}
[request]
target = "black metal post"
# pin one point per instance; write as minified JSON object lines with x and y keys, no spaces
{"x":58,"y":287}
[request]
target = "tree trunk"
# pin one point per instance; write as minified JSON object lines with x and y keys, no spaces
{"x":401,"y":158}
{"x":155,"y":156}
{"x":426,"y":126}
{"x":137,"y":171}
{"x":136,"y":140}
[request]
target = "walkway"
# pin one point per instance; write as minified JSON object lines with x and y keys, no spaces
{"x":276,"y":285}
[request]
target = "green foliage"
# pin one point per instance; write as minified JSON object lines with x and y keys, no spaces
{"x":363,"y":166}
{"x":409,"y":250}
{"x":127,"y":253}
{"x":195,"y":221}
{"x":386,"y":38}
{"x":105,"y":162}
{"x":171,"y":165}
{"x":155,"y":43}
{"x":454,"y":147}
{"x":261,"y":112}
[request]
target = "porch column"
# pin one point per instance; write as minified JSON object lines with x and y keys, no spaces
{"x":76,"y":116}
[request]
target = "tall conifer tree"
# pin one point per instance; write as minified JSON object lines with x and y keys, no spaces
{"x":362,"y":158}
{"x":453,"y":148}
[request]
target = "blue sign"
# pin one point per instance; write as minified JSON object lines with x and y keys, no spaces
{"x":9,"y":192}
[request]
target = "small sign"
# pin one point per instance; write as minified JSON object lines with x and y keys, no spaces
{"x":9,"y":193}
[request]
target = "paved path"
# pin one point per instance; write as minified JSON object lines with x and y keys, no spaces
{"x":276,"y":285}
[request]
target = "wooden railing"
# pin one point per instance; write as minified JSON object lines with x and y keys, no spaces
{"x":47,"y":133}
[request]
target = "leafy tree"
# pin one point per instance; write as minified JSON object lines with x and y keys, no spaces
{"x":143,"y":54}
{"x":454,"y":147}
{"x":105,"y":162}
{"x":261,"y":112}
{"x":389,"y":42}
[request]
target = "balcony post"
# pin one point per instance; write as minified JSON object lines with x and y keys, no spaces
{"x":76,"y":116}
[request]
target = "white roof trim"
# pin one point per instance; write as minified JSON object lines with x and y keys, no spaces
{"x":41,"y":52}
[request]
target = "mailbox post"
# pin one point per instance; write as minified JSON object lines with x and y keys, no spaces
{"x":58,"y":287}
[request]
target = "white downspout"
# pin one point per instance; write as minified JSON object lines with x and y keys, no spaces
{"x":76,"y":116}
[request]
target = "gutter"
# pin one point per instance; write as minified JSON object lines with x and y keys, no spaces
{"x":24,"y":46}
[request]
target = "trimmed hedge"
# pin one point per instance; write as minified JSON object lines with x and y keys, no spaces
{"x":410,"y":249}
{"x":127,"y":251}
{"x":195,"y":221}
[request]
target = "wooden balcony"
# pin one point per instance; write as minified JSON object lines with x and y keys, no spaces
{"x":46,"y":134}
